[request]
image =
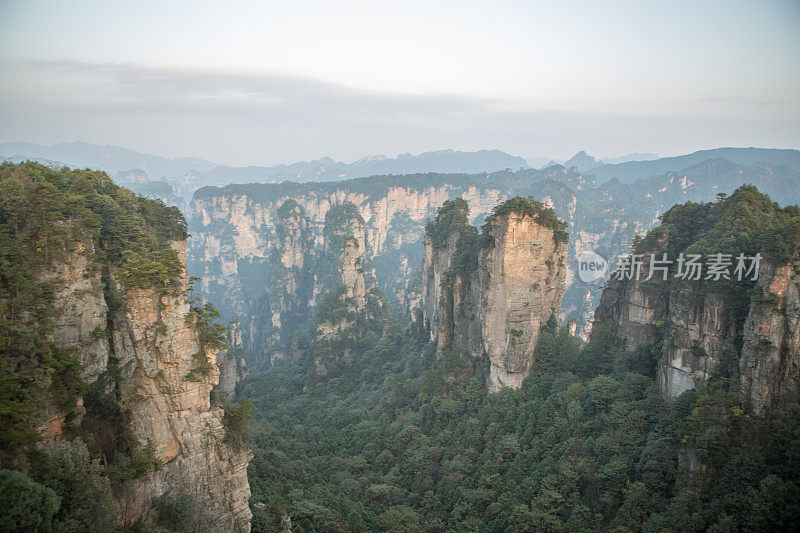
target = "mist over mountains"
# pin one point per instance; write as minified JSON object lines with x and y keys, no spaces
{"x":328,"y":169}
{"x":127,"y":162}
{"x":174,"y":181}
{"x":110,"y":158}
{"x":114,"y":160}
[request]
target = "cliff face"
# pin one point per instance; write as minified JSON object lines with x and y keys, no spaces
{"x":81,"y":312}
{"x":172,"y":413}
{"x":743,"y":330}
{"x":347,"y":284}
{"x":522,"y":281}
{"x":698,"y":339}
{"x":234,"y":227}
{"x":239,"y":227}
{"x":286,"y":304}
{"x":80,"y":321}
{"x":488,"y":295}
{"x":154,"y":346}
{"x":306,"y":262}
{"x":353,"y":273}
{"x":770,"y":356}
{"x":436,"y":263}
{"x":232,"y":362}
{"x":236,"y":235}
{"x":102,"y":350}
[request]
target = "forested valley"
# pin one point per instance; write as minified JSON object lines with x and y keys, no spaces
{"x":402,"y":434}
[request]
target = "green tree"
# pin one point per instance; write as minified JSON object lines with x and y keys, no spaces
{"x":87,"y":503}
{"x":24,"y":504}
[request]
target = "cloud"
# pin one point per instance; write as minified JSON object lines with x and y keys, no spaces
{"x":249,"y":118}
{"x":144,"y":89}
{"x":746,"y":101}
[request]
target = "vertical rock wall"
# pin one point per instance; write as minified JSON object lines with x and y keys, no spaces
{"x":153,"y":343}
{"x":496,"y":310}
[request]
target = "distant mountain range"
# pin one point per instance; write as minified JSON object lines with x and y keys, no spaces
{"x":328,"y":169}
{"x":583,"y":162}
{"x":187,"y":174}
{"x":631,"y":171}
{"x":110,"y":158}
{"x":123,"y":161}
{"x":627,"y":169}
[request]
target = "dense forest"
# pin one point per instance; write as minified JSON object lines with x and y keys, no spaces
{"x":395,"y":439}
{"x":407,"y":443}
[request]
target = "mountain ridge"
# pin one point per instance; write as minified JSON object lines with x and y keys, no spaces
{"x":632,"y":170}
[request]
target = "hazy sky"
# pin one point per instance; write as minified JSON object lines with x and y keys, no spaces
{"x":261,"y":82}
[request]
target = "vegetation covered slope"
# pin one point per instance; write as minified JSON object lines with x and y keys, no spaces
{"x":44,"y":214}
{"x":402,"y":440}
{"x":746,"y":222}
{"x":397,"y":441}
{"x":722,"y":323}
{"x":76,"y":460}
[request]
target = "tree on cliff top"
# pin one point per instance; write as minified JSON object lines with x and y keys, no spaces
{"x":534,"y":209}
{"x":452,"y":216}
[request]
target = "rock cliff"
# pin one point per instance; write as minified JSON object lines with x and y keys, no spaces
{"x":171,"y":413}
{"x":232,"y":362}
{"x":745,"y":330}
{"x":770,"y":356}
{"x":236,"y":228}
{"x":488,"y":295}
{"x":351,"y":302}
{"x":523,"y":283}
{"x":97,"y":313}
{"x":153,"y":345}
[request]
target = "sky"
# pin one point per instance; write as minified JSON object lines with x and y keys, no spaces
{"x":267,"y":82}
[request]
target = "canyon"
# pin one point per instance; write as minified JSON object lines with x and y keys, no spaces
{"x":235,"y":229}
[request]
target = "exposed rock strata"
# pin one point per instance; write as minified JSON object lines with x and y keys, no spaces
{"x":698,"y":336}
{"x":153,"y":345}
{"x":495,"y":310}
{"x":232,"y":362}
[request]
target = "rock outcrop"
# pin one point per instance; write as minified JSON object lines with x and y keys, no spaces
{"x":232,"y":362}
{"x":488,"y":295}
{"x":347,"y":283}
{"x":154,"y":347}
{"x":522,"y":281}
{"x":698,"y":338}
{"x":105,"y":355}
{"x":172,"y":414}
{"x":436,"y":263}
{"x":744,"y":330}
{"x":770,"y":356}
{"x":81,"y":313}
